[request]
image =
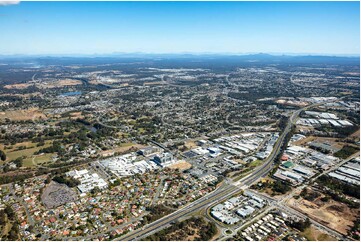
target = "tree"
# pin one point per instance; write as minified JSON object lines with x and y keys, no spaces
{"x":10,"y":212}
{"x":48,"y":180}
{"x":301,"y":225}
{"x":2,"y":155}
{"x":2,"y":217}
{"x":95,"y":190}
{"x":69,"y":181}
{"x":280,"y":187}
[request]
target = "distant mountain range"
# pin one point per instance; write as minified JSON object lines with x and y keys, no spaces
{"x":205,"y":54}
{"x":262,"y":58}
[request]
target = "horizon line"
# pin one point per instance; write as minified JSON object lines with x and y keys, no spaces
{"x":113,"y":54}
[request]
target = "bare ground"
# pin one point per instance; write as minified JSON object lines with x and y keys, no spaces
{"x":335,"y":215}
{"x":182,"y":165}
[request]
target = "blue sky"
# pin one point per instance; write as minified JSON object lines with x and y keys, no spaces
{"x":174,"y":27}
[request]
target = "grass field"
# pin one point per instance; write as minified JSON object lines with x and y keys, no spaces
{"x":141,"y":130}
{"x":255,"y":163}
{"x":28,"y":144}
{"x":123,"y":147}
{"x":28,"y":153}
{"x":126,"y":144}
{"x":37,"y":160}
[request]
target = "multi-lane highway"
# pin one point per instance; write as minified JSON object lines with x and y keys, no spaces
{"x":222,"y":192}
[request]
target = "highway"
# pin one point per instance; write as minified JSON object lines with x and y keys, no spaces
{"x":222,"y":192}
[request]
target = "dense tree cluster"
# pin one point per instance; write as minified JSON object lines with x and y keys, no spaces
{"x":338,"y":132}
{"x":13,"y":178}
{"x":55,"y":148}
{"x":310,"y":195}
{"x":346,"y":151}
{"x":282,"y":123}
{"x":156,"y":212}
{"x":7,"y":215}
{"x":197,"y":227}
{"x":285,"y":143}
{"x":69,"y":181}
{"x":280,"y":187}
{"x":300,"y":225}
{"x":339,"y":186}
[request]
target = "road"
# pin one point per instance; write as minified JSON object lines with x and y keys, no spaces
{"x":281,"y":205}
{"x":220,"y":193}
{"x":20,"y":200}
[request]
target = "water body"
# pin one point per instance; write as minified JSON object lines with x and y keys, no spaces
{"x":71,"y":94}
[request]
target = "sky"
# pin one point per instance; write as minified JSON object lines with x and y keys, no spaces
{"x":180,"y":27}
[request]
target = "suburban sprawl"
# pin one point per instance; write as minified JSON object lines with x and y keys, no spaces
{"x":180,"y":147}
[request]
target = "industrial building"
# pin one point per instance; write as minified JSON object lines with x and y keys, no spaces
{"x":304,"y":171}
{"x":349,"y":172}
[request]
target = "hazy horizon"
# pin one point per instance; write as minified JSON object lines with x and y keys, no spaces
{"x":107,"y":28}
{"x":120,"y":54}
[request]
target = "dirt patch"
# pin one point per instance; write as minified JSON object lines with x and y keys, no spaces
{"x":18,"y":86}
{"x":304,"y":141}
{"x":76,"y":115}
{"x":190,"y":145}
{"x":301,"y":128}
{"x":333,"y":214}
{"x":331,"y":141}
{"x":59,"y":83}
{"x":336,"y":208}
{"x":23,"y":114}
{"x":183,"y":165}
{"x":355,"y":136}
{"x":122,"y":149}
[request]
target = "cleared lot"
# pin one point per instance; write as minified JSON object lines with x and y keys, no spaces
{"x":333,"y":214}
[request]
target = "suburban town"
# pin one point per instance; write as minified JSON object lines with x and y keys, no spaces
{"x":130,"y":161}
{"x":143,"y":145}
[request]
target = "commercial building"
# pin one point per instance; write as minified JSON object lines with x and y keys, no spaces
{"x":164,"y":159}
{"x":150,"y":150}
{"x":246,"y":211}
{"x":127,"y":165}
{"x":87,"y":181}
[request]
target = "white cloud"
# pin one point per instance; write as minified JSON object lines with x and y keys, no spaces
{"x":10,"y":2}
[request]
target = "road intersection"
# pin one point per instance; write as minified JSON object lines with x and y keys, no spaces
{"x":227,"y":190}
